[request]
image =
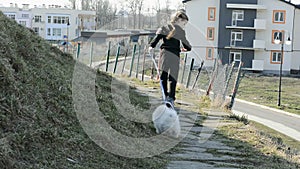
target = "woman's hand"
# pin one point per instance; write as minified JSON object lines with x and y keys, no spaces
{"x":183,"y":50}
{"x":151,"y":50}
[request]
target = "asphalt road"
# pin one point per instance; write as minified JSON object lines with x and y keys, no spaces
{"x":284,"y":122}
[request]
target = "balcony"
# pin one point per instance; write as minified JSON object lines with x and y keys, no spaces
{"x":257,"y":45}
{"x":259,"y":24}
{"x":246,"y":6}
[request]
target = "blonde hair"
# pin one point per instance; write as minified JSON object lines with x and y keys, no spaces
{"x":178,"y":15}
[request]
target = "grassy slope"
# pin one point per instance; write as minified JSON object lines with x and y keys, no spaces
{"x":38,"y":125}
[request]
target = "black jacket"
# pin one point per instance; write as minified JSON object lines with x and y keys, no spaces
{"x":172,"y":44}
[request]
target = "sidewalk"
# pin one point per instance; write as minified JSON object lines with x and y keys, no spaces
{"x":199,"y":149}
{"x":204,"y":147}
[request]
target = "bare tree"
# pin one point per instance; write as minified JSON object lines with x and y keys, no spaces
{"x":157,"y":9}
{"x":163,"y":15}
{"x":140,"y":5}
{"x":86,"y":4}
{"x":106,"y":14}
{"x":73,"y":4}
{"x":135,"y":7}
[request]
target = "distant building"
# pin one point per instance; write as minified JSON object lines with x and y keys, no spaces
{"x":245,"y":30}
{"x":52,"y":23}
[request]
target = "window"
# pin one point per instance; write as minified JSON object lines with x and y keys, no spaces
{"x":37,"y":18}
{"x":211,"y":13}
{"x":11,"y":16}
{"x":48,"y":32}
{"x":210,"y":33}
{"x":55,"y":18}
{"x":237,"y":15}
{"x":49,"y":19}
{"x":209,"y":53}
{"x":36,"y":30}
{"x":235,"y":56}
{"x":60,"y":19}
{"x":56,"y":32}
{"x":76,"y":32}
{"x":276,"y":57}
{"x":22,"y":23}
{"x":25,"y":15}
{"x":236,"y":36}
{"x":279,"y":16}
{"x":277,"y":34}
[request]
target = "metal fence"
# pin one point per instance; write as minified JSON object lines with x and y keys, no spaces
{"x":124,"y":57}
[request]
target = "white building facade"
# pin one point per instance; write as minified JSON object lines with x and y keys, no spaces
{"x":245,"y":30}
{"x":53,"y":23}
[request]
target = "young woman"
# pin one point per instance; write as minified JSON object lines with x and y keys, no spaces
{"x":172,"y":35}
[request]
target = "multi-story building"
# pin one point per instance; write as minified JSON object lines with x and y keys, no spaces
{"x":246,"y":30}
{"x":53,"y":23}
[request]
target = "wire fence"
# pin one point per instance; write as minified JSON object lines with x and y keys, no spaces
{"x":123,"y":57}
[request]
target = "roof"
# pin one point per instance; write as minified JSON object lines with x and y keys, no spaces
{"x":121,"y":33}
{"x":184,"y":1}
{"x":288,"y":2}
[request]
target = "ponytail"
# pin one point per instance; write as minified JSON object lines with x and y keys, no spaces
{"x":172,"y":32}
{"x":178,"y":15}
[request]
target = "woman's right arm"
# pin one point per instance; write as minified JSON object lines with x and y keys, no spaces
{"x":157,"y":37}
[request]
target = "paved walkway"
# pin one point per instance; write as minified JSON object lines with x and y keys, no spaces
{"x":201,"y":152}
{"x":198,"y":149}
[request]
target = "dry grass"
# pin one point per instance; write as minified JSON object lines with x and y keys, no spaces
{"x":260,"y":149}
{"x":38,"y":123}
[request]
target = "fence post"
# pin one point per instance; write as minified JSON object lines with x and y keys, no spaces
{"x":91,"y":53}
{"x":189,"y":76}
{"x":228,"y":79}
{"x":78,"y":51}
{"x":198,"y":74}
{"x":236,"y":86}
{"x":125,"y":58}
{"x":117,"y":58}
{"x":107,"y":57}
{"x":185,"y":58}
{"x":143,"y":66}
{"x":138,"y":62}
{"x":214,"y":74}
{"x":132,"y":59}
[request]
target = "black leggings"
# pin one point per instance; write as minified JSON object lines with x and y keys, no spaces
{"x":169,"y":64}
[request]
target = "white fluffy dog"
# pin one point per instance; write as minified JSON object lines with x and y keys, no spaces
{"x":165,"y":119}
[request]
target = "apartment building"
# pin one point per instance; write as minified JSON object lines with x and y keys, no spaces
{"x":53,"y":23}
{"x":246,"y":31}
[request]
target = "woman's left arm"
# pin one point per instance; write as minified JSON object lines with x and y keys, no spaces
{"x":186,"y":44}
